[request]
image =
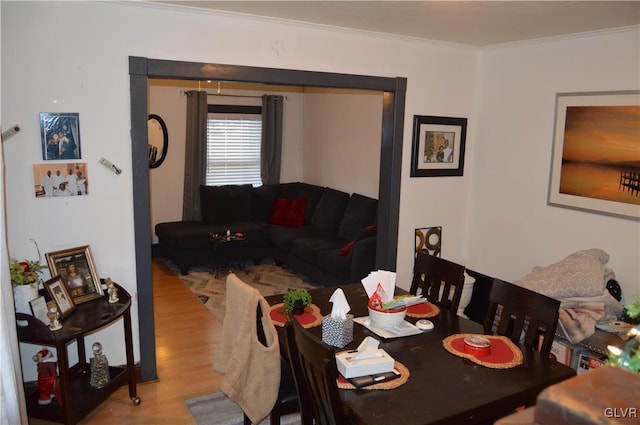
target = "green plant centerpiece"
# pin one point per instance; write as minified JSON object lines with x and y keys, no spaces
{"x":295,"y":300}
{"x":629,"y":357}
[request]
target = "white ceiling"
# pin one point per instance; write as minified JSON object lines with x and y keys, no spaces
{"x":475,"y":23}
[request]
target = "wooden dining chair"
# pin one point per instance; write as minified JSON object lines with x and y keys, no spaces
{"x":315,"y":372}
{"x":514,"y":311}
{"x":437,"y":278}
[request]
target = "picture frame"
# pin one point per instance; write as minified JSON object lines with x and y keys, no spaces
{"x":60,"y":135}
{"x":78,"y":272}
{"x":40,"y":309}
{"x":595,"y":161}
{"x":57,"y":290}
{"x":438,"y":146}
{"x":54,"y":179}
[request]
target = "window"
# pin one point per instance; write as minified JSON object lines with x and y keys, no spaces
{"x":234,"y":135}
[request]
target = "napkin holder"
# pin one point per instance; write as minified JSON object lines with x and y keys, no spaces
{"x":337,"y":332}
{"x":350,"y":368}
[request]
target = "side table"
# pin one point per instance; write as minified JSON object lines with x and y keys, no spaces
{"x":224,"y":251}
{"x":78,"y":398}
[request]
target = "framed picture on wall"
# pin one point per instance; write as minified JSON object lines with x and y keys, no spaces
{"x":77,"y":271}
{"x":60,"y":179}
{"x":60,"y":135}
{"x":438,"y":146}
{"x":595,"y":164}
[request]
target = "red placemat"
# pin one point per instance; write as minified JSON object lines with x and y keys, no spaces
{"x":343,"y":384}
{"x":504,"y":353}
{"x":423,"y":310}
{"x":310,"y":318}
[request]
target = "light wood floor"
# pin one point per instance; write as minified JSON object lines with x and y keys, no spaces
{"x":187,"y":336}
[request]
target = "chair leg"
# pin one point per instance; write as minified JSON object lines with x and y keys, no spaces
{"x":247,"y":421}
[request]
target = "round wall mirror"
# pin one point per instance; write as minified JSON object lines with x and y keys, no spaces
{"x":158,"y":141}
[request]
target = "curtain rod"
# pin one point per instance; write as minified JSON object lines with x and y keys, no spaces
{"x":231,"y":95}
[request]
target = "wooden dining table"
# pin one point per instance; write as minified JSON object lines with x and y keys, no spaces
{"x":442,"y":388}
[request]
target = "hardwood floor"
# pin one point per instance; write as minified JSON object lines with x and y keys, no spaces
{"x":187,"y":336}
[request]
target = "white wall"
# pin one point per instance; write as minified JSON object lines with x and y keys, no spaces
{"x":84,"y":69}
{"x":342,"y":134}
{"x":511,"y":228}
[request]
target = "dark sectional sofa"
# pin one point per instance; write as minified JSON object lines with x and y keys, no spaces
{"x":325,"y":234}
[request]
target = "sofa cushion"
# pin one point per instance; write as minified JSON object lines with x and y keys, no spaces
{"x":282,"y":237}
{"x":334,"y":264}
{"x":368,"y":231}
{"x":288,"y":212}
{"x":330,"y":209}
{"x":360,"y":212}
{"x":299,"y":190}
{"x":262,"y":199}
{"x":309,"y":248}
{"x":226,"y":204}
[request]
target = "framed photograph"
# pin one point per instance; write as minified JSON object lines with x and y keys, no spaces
{"x":60,"y":135}
{"x":58,"y":291}
{"x":438,"y":146}
{"x":60,"y":179}
{"x":77,"y":271}
{"x":40,"y":309}
{"x":595,"y":164}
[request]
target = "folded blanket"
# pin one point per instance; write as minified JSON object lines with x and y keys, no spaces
{"x":579,"y":322}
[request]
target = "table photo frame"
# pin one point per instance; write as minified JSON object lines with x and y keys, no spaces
{"x":57,"y":289}
{"x":78,"y":272}
{"x":438,"y":146}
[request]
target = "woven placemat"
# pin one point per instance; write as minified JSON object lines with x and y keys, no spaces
{"x":504,"y":353}
{"x":423,"y":310}
{"x":343,"y":384}
{"x":310,"y":318}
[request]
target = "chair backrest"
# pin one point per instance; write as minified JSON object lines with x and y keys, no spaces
{"x":436,"y":278}
{"x":522,"y":310}
{"x":314,"y":368}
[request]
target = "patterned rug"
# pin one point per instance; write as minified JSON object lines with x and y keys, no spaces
{"x":217,"y":409}
{"x":267,"y":278}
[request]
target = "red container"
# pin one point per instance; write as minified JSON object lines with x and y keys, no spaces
{"x":477,"y":345}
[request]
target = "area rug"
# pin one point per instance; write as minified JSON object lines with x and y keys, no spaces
{"x":267,"y":278}
{"x":218,"y":409}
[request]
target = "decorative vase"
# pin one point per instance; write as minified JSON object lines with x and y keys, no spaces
{"x":22,"y":294}
{"x":298,"y":307}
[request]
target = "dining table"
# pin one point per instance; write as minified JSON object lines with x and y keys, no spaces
{"x":442,"y":388}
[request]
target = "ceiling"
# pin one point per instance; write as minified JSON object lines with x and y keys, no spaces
{"x":474,"y":23}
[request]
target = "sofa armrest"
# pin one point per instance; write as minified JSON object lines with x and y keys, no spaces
{"x":363,"y":258}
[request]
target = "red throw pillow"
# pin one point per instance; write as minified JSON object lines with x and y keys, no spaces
{"x":347,"y":249}
{"x":288,"y":212}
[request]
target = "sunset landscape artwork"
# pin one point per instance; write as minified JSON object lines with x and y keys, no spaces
{"x":597,"y":153}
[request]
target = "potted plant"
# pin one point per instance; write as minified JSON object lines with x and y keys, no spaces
{"x":295,"y":300}
{"x":24,"y":278}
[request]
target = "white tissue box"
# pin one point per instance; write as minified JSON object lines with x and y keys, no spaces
{"x":351,"y":369}
{"x":337,"y":332}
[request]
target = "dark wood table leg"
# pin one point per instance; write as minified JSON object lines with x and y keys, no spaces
{"x":128,"y":341}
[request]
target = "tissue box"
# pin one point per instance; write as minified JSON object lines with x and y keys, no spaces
{"x":351,"y":369}
{"x":337,"y":332}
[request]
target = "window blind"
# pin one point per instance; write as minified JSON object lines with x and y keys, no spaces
{"x":233,"y":149}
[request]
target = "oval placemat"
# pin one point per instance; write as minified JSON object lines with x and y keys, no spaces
{"x":423,"y":310}
{"x":504,"y":353}
{"x":343,"y":384}
{"x":310,"y":318}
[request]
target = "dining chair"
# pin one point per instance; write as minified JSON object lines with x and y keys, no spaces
{"x":315,"y":373}
{"x":514,"y":311}
{"x":241,"y":357}
{"x":437,"y":278}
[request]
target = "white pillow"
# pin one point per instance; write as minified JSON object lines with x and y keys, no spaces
{"x":581,"y":274}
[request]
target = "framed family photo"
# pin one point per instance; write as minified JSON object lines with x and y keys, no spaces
{"x":58,"y":292}
{"x":60,"y":135}
{"x":77,"y":271}
{"x":438,"y":146}
{"x":52,"y":179}
{"x":595,"y":164}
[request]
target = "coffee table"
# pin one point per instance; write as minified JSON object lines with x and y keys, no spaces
{"x":226,"y":251}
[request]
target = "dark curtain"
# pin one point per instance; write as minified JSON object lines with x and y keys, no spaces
{"x":271,"y":151}
{"x":195,"y":153}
